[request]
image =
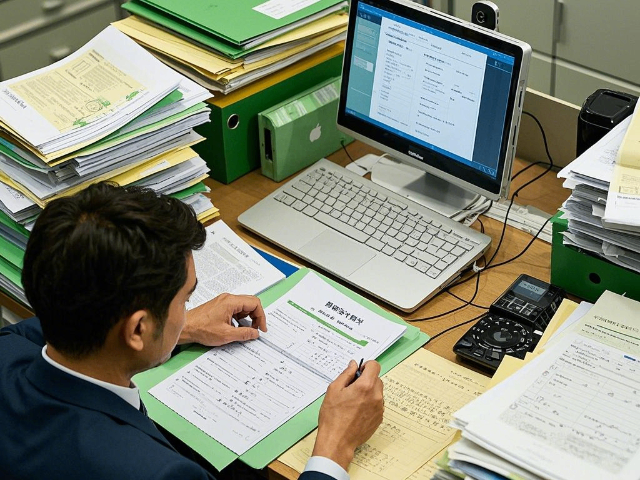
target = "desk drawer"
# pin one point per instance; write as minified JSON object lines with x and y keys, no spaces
{"x":21,"y":17}
{"x":49,"y":45}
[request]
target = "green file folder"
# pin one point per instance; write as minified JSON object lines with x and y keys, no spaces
{"x":291,"y":431}
{"x":236,"y":21}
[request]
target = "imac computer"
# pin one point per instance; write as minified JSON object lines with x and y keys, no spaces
{"x":442,"y":97}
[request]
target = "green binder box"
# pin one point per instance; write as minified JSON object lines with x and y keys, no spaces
{"x":584,"y":274}
{"x":232,"y":146}
{"x":300,"y":131}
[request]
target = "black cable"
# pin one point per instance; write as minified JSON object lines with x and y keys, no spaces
{"x":454,"y":327}
{"x":344,"y":147}
{"x":488,"y":265}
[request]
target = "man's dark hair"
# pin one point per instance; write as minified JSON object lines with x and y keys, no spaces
{"x":100,"y":255}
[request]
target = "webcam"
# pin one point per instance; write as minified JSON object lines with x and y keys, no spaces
{"x":485,"y":14}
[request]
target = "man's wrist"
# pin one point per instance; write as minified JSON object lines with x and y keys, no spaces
{"x":333,"y":449}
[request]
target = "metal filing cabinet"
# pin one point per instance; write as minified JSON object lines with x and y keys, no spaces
{"x":36,"y":33}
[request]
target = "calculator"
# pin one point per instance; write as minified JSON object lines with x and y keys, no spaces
{"x":514,"y":324}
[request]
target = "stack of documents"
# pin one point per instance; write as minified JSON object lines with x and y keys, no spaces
{"x":571,"y":410}
{"x":229,"y":44}
{"x":110,"y":111}
{"x":603,"y":210}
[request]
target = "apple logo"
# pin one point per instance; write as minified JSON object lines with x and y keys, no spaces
{"x":315,"y":133}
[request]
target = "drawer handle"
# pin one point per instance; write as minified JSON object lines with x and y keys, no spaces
{"x":59,"y":53}
{"x":51,"y":5}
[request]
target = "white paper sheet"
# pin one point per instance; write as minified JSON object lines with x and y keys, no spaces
{"x":240,"y":393}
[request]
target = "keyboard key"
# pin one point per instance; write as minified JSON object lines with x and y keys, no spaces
{"x":376,"y":244}
{"x":411,"y":242}
{"x":326,"y":208}
{"x":341,"y":227}
{"x":366,"y":219}
{"x":393,"y":242}
{"x":352,"y":221}
{"x":397,"y":203}
{"x":387,"y":221}
{"x":449,"y":259}
{"x":348,"y":211}
{"x":411,"y":261}
{"x":309,"y":210}
{"x":381,"y":196}
{"x":392,"y":232}
{"x":321,"y":196}
{"x":344,"y":218}
{"x":406,"y":249}
{"x":426,"y":257}
{"x":402,"y":236}
{"x":299,"y":205}
{"x":421,"y":246}
{"x":388,"y":250}
{"x":357,"y":216}
{"x":422,"y":267}
{"x":288,"y":200}
{"x":383,"y":228}
{"x":432,"y":249}
{"x":420,"y":227}
{"x":313,"y":192}
{"x":447,"y":247}
{"x":441,"y":265}
{"x":401,"y":219}
{"x":360,"y":225}
{"x":397,"y":225}
{"x":377,"y":234}
{"x":330,"y":201}
{"x":433,"y":272}
{"x":406,"y":229}
{"x":410,"y":223}
{"x":374,"y":223}
{"x":317,"y":204}
{"x":441,"y":253}
{"x":438,"y":242}
{"x":426,"y":237}
{"x":303,"y":187}
{"x":457,"y":250}
{"x":415,"y":234}
{"x":369,"y":230}
{"x":297,"y":194}
{"x":400,"y":256}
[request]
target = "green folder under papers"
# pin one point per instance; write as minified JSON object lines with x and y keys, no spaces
{"x":291,"y":431}
{"x":241,"y":22}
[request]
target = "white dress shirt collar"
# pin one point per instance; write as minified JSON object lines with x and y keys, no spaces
{"x":131,"y":394}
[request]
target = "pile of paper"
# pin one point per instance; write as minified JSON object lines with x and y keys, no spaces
{"x":230,"y":44}
{"x":571,"y":410}
{"x":110,"y":111}
{"x":603,"y":210}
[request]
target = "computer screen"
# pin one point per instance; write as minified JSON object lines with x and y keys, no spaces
{"x":434,"y":92}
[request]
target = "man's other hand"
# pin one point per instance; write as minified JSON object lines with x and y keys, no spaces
{"x":210,"y":323}
{"x":350,"y":413}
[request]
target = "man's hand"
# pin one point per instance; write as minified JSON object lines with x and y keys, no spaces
{"x":210,"y":323}
{"x":350,"y":413}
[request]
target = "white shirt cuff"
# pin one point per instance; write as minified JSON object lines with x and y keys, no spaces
{"x":326,"y":466}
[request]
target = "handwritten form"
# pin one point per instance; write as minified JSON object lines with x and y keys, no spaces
{"x":240,"y":393}
{"x":420,"y":395}
{"x":574,"y":411}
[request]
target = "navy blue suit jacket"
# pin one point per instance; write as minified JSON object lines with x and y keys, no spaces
{"x":56,"y":426}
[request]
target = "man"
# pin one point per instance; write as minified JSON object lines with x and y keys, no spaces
{"x":108,"y":272}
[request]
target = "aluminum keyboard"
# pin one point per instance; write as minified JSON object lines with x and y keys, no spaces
{"x":369,"y":216}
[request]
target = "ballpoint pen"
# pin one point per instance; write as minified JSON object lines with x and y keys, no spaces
{"x":358,"y":372}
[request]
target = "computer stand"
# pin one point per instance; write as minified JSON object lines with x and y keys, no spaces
{"x":416,"y":185}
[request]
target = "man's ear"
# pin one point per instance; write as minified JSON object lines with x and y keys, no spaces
{"x":137,"y":329}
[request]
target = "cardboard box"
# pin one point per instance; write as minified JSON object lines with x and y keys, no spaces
{"x":232,"y":146}
{"x":584,"y":274}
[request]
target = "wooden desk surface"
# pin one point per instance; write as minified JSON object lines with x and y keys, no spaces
{"x":546,"y":194}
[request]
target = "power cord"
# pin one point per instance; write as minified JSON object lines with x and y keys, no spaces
{"x":488,"y":266}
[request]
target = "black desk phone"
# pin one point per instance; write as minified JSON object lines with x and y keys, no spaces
{"x":514,"y":324}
